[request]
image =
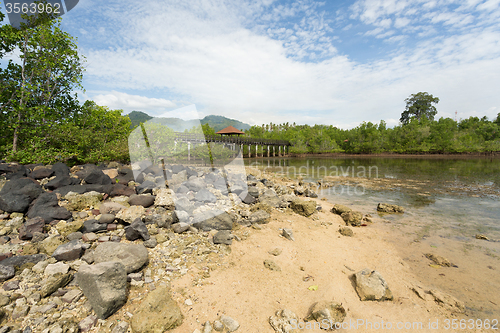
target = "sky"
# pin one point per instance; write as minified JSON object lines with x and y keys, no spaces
{"x":334,"y":62}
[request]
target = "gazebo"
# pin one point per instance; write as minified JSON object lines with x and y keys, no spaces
{"x":230,"y":130}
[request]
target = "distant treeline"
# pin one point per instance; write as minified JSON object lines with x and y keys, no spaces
{"x":417,"y":136}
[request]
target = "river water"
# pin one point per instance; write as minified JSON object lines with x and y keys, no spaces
{"x":447,"y":201}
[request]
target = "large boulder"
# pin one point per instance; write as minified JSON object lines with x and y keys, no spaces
{"x":104,"y":285}
{"x":17,"y":194}
{"x":46,"y":206}
{"x":304,"y":208}
{"x":157,"y":313}
{"x":206,"y":196}
{"x":132,"y":256}
{"x":19,"y":261}
{"x":41,"y":173}
{"x":371,"y":286}
{"x":120,"y":189}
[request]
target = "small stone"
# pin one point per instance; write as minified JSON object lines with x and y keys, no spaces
{"x":6,"y":272}
{"x":327,"y":312}
{"x":20,"y":312}
{"x":218,"y":326}
{"x":188,"y":302}
{"x":259,"y":217}
{"x":70,"y":251}
{"x":346,"y":231}
{"x":275,"y":252}
{"x":11,"y":285}
{"x":89,"y":237}
{"x":137,"y":230}
{"x":72,"y":296}
{"x":54,"y":282}
{"x":271,"y":265}
{"x":283,"y":320}
{"x":103,"y":239}
{"x":151,"y":243}
{"x":230,"y":324}
{"x":207,"y":328}
{"x":180,"y":227}
{"x":74,"y":236}
{"x":223,"y":237}
{"x":288,"y":234}
{"x":87,"y":323}
{"x":106,"y":218}
{"x":121,"y":327}
{"x":58,"y":267}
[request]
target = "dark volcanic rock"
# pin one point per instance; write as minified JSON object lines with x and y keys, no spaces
{"x":93,"y":226}
{"x":46,"y":206}
{"x":42,"y":173}
{"x":61,"y":181}
{"x":30,"y":227}
{"x":14,"y":202}
{"x":60,"y":169}
{"x":18,"y":261}
{"x":17,"y":194}
{"x":96,"y":176}
{"x":119,"y":189}
{"x":137,"y":230}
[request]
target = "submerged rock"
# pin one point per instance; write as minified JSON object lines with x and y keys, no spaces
{"x":389,"y":208}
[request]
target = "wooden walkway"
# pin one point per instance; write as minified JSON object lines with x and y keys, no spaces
{"x":274,"y":147}
{"x":188,"y":137}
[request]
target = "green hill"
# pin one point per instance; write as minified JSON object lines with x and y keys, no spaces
{"x":179,"y":125}
{"x":138,"y":117}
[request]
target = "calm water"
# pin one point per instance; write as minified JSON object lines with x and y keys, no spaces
{"x":447,"y":202}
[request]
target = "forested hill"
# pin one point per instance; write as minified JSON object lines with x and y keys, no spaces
{"x":179,"y":125}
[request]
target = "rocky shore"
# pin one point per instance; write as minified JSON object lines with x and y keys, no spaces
{"x":117,"y":248}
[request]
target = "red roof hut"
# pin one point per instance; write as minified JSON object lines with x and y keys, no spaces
{"x":230,"y":130}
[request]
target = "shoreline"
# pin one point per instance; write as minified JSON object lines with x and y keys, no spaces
{"x":386,"y":155}
{"x":202,"y":278}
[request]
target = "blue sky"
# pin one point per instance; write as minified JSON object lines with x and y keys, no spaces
{"x":261,"y":61}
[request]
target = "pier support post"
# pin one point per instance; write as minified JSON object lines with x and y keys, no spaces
{"x":189,"y":151}
{"x":249,"y":151}
{"x":267,"y":150}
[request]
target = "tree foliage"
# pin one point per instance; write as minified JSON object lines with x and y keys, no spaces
{"x":419,"y":106}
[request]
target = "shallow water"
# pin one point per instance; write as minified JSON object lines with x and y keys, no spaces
{"x":447,"y":202}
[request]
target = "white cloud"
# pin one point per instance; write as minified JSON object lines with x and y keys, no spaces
{"x":126,"y":102}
